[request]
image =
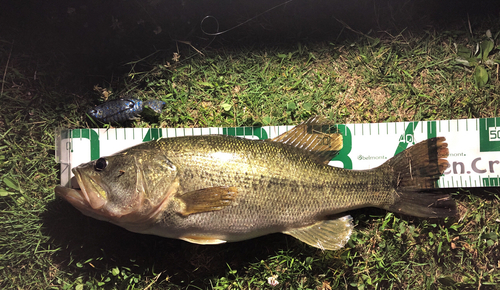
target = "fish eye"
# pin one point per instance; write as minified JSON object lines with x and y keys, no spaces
{"x":100,"y":164}
{"x":95,"y":112}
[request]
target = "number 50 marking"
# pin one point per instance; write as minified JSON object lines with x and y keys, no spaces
{"x":494,"y":134}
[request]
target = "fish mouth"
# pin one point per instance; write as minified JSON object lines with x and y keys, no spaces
{"x":84,"y":194}
{"x":89,"y":196}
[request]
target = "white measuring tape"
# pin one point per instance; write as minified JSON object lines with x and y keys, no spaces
{"x":474,"y":145}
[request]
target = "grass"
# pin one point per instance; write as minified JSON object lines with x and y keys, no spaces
{"x":349,"y":82}
{"x":47,"y":244}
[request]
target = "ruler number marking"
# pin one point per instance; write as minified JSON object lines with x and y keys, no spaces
{"x":494,"y":133}
{"x":407,"y":138}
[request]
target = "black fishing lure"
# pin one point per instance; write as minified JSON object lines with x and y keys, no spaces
{"x":117,"y":111}
{"x":155,"y":105}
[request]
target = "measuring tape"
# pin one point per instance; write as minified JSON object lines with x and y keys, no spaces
{"x":474,"y":145}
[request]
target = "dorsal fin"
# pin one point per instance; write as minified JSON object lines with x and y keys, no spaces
{"x":316,"y":135}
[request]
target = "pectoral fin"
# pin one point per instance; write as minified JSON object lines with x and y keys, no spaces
{"x":207,"y":199}
{"x":325,"y":235}
{"x":202,"y":240}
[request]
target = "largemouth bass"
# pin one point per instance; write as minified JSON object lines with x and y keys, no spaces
{"x":216,"y":189}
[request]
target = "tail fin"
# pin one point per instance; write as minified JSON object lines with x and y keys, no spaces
{"x":416,"y":171}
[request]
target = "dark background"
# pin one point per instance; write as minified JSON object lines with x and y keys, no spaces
{"x":88,"y":42}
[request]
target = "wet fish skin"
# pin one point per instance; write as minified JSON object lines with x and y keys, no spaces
{"x":213,"y":189}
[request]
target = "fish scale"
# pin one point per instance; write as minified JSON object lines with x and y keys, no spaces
{"x":314,"y":195}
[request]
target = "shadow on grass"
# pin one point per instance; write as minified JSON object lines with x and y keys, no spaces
{"x":106,"y":246}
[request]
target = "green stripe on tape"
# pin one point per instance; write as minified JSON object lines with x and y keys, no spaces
{"x":94,"y":141}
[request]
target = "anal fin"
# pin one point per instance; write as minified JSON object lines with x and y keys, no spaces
{"x":207,"y":199}
{"x":325,"y":235}
{"x":202,"y":240}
